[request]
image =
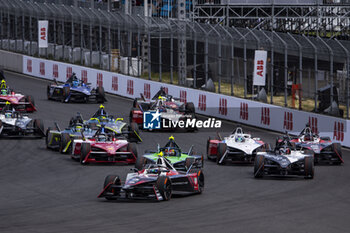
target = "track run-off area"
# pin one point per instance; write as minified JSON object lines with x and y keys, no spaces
{"x":45,"y":191}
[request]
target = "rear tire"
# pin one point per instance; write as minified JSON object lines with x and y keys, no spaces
{"x":208,"y":149}
{"x":309,"y":167}
{"x":163,"y":184}
{"x":100,"y":95}
{"x":189,"y":162}
{"x":259,"y":166}
{"x":200,"y":176}
{"x":39,"y":129}
{"x":190,"y":108}
{"x":133,"y":149}
{"x":134,"y":128}
{"x":338,"y":153}
{"x":48,"y":92}
{"x":65,"y":138}
{"x":115,"y":180}
{"x":222,"y":147}
{"x":48,"y":134}
{"x":85,"y":150}
{"x":30,"y":99}
{"x":140,"y":163}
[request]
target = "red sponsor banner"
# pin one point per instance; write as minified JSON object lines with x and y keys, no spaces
{"x":243,"y":113}
{"x":115,"y":83}
{"x":202,"y":102}
{"x":84,"y":77}
{"x":288,"y":121}
{"x":183,"y":96}
{"x":29,"y":66}
{"x":99,"y":80}
{"x":42,"y":68}
{"x":55,"y":70}
{"x":338,"y":133}
{"x":130,"y":87}
{"x":147,"y":90}
{"x":223,"y":106}
{"x":265,"y":116}
{"x":69,"y":72}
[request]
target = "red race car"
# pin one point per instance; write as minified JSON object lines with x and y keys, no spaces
{"x":17,"y":101}
{"x":156,"y":182}
{"x":103,"y":148}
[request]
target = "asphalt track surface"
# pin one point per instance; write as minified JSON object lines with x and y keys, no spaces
{"x":44,"y":191}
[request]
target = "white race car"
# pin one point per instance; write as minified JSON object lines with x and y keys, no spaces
{"x":236,"y":147}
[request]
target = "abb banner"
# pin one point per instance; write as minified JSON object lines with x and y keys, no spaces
{"x":42,"y":33}
{"x":259,"y":75}
{"x":207,"y":103}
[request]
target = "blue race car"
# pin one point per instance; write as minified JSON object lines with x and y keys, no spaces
{"x":75,"y":90}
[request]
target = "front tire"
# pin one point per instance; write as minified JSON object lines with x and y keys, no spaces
{"x":163,"y":184}
{"x":140,"y":163}
{"x":100,"y":95}
{"x":39,"y":129}
{"x":65,"y":139}
{"x":65,"y":94}
{"x":114,"y":179}
{"x":222,"y":147}
{"x":259,"y":163}
{"x":85,"y":150}
{"x":133,"y":149}
{"x":309,"y":167}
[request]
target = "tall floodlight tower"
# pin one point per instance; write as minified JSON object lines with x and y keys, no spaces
{"x":181,"y":15}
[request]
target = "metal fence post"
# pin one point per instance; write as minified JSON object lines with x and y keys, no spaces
{"x":347,"y":76}
{"x":316,"y":69}
{"x":285,"y":68}
{"x":258,"y":47}
{"x":272,"y":64}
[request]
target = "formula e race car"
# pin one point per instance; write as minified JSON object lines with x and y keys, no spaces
{"x":75,"y":90}
{"x":157,"y":182}
{"x":172,"y":152}
{"x":114,"y":125}
{"x":284,"y":160}
{"x":170,"y":110}
{"x":104,"y":148}
{"x":17,"y":101}
{"x":324,"y":149}
{"x":238,"y":147}
{"x":61,"y":140}
{"x":14,"y":124}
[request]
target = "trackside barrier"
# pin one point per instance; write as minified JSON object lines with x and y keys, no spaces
{"x":210,"y":104}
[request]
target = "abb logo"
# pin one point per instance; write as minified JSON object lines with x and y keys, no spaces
{"x":69,"y":72}
{"x":313,"y":124}
{"x":42,"y":68}
{"x":243,"y":113}
{"x":55,"y":70}
{"x":147,"y":90}
{"x":115,"y":83}
{"x":29,"y":66}
{"x":43,"y":33}
{"x":260,"y":68}
{"x":165,"y":89}
{"x":130,"y":87}
{"x":202,"y":102}
{"x":99,"y":80}
{"x":223,"y":106}
{"x":183,"y":96}
{"x":84,"y":76}
{"x":265,"y":116}
{"x":338,"y":133}
{"x":288,"y":121}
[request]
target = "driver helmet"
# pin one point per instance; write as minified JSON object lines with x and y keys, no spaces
{"x":8,"y":114}
{"x":3,"y":84}
{"x":154,"y":170}
{"x":307,"y":138}
{"x":101,"y":138}
{"x":169,"y":152}
{"x":75,"y":83}
{"x":78,"y":128}
{"x":239,"y":139}
{"x":285,"y":150}
{"x":3,"y":92}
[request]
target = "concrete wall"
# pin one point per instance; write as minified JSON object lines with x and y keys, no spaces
{"x":11,"y":61}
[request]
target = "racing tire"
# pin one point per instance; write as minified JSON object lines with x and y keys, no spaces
{"x":140,"y":163}
{"x":48,"y":92}
{"x":48,"y":134}
{"x":65,"y":139}
{"x":208,"y":144}
{"x":189,"y":162}
{"x":134,"y":132}
{"x":222,"y":147}
{"x":84,"y":151}
{"x":39,"y":129}
{"x":200,"y":176}
{"x":259,"y":163}
{"x":309,"y":168}
{"x":163,"y":185}
{"x":135,"y":104}
{"x":190,"y":108}
{"x":338,"y":153}
{"x":114,"y":179}
{"x":65,"y":93}
{"x":0,"y":127}
{"x":100,"y":95}
{"x":133,"y":149}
